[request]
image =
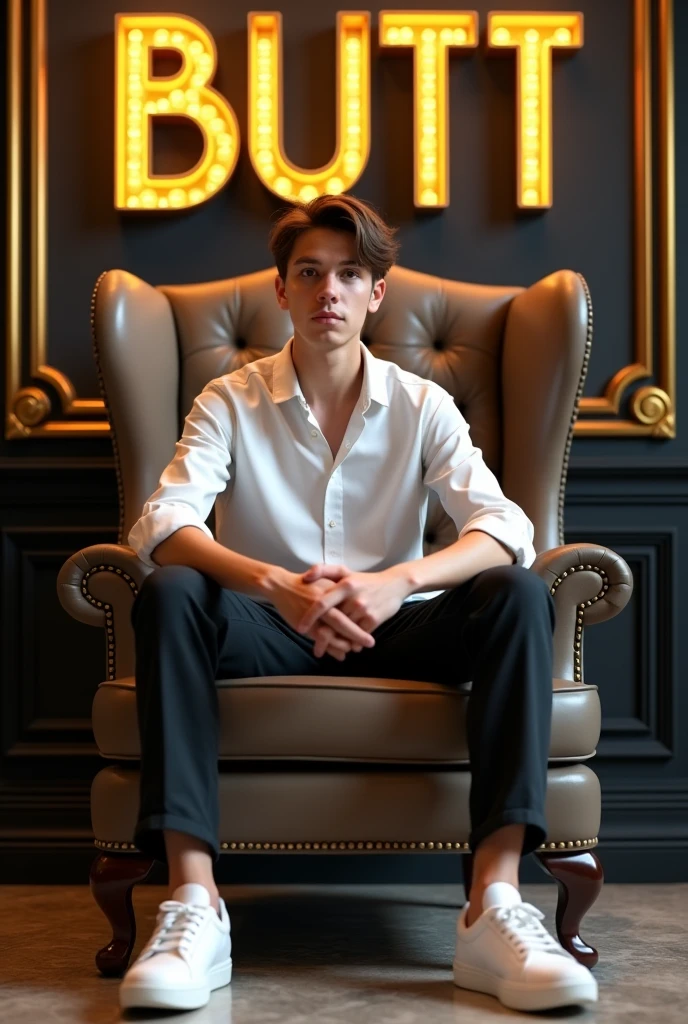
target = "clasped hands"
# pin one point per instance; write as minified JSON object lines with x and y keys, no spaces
{"x":339,"y":608}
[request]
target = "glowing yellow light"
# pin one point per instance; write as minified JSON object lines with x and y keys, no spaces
{"x":352,"y":76}
{"x":138,"y":98}
{"x":534,"y":36}
{"x":431,"y":34}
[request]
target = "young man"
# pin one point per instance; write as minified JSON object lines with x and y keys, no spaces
{"x":321,"y":458}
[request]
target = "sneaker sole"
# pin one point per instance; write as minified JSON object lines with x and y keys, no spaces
{"x":164,"y":997}
{"x":519,"y":996}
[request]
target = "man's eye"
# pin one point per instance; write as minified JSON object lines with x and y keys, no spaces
{"x":305,"y":269}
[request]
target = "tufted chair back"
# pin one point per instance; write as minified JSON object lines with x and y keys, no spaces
{"x":514,"y":359}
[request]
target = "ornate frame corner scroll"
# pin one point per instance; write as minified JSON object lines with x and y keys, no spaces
{"x":653,"y":406}
{"x":29,"y":409}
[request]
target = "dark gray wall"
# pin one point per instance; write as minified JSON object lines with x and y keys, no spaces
{"x":56,"y":496}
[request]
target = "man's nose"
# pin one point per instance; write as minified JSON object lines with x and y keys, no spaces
{"x":329,"y":286}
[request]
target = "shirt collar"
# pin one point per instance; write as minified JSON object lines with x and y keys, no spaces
{"x":285,"y":383}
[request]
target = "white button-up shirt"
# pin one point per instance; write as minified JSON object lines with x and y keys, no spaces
{"x":251,"y":441}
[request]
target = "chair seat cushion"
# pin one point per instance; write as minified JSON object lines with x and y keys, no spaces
{"x":346,"y":718}
{"x":343,"y":808}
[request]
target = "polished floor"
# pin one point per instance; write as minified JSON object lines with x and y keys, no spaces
{"x":349,"y":954}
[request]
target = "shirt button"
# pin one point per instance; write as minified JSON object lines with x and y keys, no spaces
{"x":314,"y":432}
{"x":348,"y":444}
{"x":331,"y":523}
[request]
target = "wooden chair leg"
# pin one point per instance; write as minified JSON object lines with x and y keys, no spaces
{"x":467,"y":868}
{"x":579,"y":878}
{"x":112,"y":878}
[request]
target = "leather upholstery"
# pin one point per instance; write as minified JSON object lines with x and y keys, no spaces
{"x":351,"y":806}
{"x":327,"y":718}
{"x":357,"y":761}
{"x":512,"y":357}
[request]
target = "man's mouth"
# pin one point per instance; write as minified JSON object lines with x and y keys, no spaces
{"x":327,"y":318}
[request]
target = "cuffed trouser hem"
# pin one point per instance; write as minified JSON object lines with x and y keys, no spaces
{"x":149,"y":838}
{"x":535,"y":832}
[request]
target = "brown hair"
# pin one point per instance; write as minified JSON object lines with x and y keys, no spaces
{"x":376,"y":247}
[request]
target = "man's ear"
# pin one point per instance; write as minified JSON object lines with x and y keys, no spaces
{"x":279,"y":290}
{"x":382,"y":290}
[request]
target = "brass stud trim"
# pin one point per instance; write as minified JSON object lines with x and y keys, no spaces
{"x":578,"y":638}
{"x":464,"y":847}
{"x":576,"y":408}
{"x":107,"y":610}
{"x":103,"y":395}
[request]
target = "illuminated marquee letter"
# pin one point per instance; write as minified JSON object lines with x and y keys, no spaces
{"x":431,"y":34}
{"x":139,"y":97}
{"x":265,"y":108}
{"x":534,"y":36}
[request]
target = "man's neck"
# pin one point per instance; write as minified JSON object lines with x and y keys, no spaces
{"x":330,"y":378}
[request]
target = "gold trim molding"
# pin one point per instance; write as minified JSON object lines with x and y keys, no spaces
{"x":653,"y":406}
{"x":29,"y":409}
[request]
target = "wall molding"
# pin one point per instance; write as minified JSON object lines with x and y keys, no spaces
{"x":36,"y":635}
{"x":651,"y":733}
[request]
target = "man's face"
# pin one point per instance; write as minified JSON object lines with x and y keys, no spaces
{"x":323,"y":275}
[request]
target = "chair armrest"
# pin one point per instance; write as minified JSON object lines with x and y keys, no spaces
{"x":589,"y":583}
{"x":97,"y":585}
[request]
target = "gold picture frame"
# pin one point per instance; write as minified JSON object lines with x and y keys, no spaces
{"x":29,"y":409}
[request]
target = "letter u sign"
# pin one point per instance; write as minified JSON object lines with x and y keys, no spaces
{"x":430,"y":35}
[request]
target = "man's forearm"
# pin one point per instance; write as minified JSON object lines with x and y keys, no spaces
{"x":190,"y":546}
{"x":473,"y":553}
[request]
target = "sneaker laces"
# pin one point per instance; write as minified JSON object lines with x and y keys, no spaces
{"x":521,"y":925}
{"x":176,"y":926}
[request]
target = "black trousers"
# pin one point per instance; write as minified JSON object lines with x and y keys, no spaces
{"x":495,"y":629}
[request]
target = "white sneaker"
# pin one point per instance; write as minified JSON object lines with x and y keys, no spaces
{"x":507,"y":953}
{"x":187,"y":956}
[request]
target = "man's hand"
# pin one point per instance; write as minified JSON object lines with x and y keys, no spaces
{"x":366,"y":598}
{"x":336,"y":633}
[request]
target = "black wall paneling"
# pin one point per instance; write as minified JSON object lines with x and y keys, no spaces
{"x":60,"y":494}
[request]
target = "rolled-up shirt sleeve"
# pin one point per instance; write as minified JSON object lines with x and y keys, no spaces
{"x":197,"y":473}
{"x":468,"y":489}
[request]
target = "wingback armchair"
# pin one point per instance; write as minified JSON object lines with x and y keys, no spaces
{"x":316,"y":764}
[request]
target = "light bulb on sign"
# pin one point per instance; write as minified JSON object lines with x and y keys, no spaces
{"x":431,"y":34}
{"x":534,"y":35}
{"x":139,"y":98}
{"x":265,"y":89}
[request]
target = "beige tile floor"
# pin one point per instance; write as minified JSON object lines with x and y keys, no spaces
{"x":348,"y":954}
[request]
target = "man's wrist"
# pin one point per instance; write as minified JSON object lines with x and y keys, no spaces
{"x":270,"y":579}
{"x":406,"y":574}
